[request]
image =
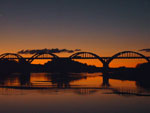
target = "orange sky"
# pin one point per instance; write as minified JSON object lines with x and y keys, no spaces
{"x":101,"y":27}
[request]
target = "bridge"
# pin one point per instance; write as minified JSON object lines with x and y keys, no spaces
{"x":79,"y":55}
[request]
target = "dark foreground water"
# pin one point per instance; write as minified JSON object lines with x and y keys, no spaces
{"x":71,"y":93}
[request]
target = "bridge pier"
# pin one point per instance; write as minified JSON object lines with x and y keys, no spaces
{"x":105,"y":80}
{"x":105,"y":67}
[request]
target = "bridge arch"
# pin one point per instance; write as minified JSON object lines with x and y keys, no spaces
{"x":87,"y":55}
{"x":126,"y":54}
{"x":39,"y":54}
{"x":12,"y":56}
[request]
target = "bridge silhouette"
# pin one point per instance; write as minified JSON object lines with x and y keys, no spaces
{"x":79,"y":55}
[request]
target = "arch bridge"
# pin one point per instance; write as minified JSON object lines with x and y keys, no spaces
{"x":79,"y":55}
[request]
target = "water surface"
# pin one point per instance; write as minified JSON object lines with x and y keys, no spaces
{"x":71,"y":93}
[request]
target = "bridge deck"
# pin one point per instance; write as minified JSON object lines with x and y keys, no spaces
{"x":84,"y":58}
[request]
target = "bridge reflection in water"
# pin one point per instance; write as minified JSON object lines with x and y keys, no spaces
{"x":82,"y":83}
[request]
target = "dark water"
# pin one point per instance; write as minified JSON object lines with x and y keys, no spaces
{"x":71,"y":93}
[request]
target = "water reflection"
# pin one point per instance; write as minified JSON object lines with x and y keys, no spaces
{"x":81,"y":83}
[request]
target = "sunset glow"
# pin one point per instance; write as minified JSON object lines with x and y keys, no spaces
{"x":74,"y":56}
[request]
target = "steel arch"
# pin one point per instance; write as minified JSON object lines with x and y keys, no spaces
{"x":19,"y":57}
{"x":124,"y":52}
{"x":39,"y":54}
{"x":96,"y":56}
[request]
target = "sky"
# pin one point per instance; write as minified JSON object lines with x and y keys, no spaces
{"x":104,"y":27}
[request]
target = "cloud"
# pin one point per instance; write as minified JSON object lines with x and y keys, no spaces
{"x":77,"y":50}
{"x":34,"y":51}
{"x":145,"y":50}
